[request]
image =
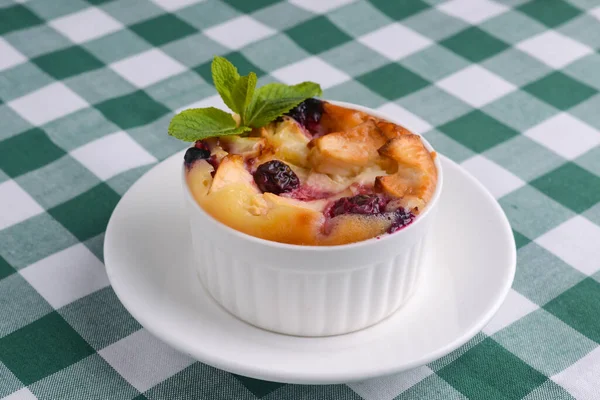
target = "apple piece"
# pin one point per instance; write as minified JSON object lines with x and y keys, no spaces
{"x":288,"y":141}
{"x":232,"y":171}
{"x":346,"y":153}
{"x":199,"y":178}
{"x":336,"y":118}
{"x":248,"y":147}
{"x":391,"y":130}
{"x":417,"y":174}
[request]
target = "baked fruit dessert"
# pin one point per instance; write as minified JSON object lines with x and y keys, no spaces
{"x":320,"y":174}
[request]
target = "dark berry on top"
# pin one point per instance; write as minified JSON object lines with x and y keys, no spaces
{"x":276,"y":177}
{"x":194,"y":153}
{"x":359,"y":204}
{"x":308,"y":114}
{"x":400,"y":219}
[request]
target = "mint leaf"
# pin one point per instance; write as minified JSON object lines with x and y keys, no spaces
{"x":200,"y":123}
{"x":225,"y":76}
{"x":275,"y":99}
{"x":242,"y":94}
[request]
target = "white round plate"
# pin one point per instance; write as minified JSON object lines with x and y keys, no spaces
{"x":470,"y":269}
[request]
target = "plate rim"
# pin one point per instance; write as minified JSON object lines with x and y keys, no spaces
{"x":332,"y":377}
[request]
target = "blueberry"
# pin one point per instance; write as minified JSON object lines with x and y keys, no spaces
{"x":400,"y":219}
{"x":359,"y":204}
{"x":308,"y":114}
{"x":194,"y":153}
{"x":275,"y":177}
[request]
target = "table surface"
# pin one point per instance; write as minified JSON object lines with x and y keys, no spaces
{"x":508,"y":89}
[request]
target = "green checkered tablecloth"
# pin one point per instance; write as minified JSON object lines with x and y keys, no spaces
{"x":509,"y":89}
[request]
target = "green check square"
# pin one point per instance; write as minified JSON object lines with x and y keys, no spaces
{"x":512,"y":27}
{"x":274,"y":52}
{"x":56,"y":8}
{"x":19,"y":156}
{"x":434,"y":105}
{"x":392,"y":81}
{"x":250,"y":6}
{"x":434,"y":62}
{"x":5,"y":268}
{"x":99,"y":85}
{"x":478,"y":131}
{"x":570,"y":185}
{"x":520,"y":240}
{"x":400,"y":9}
{"x":541,"y":275}
{"x":128,"y":12}
{"x":38,"y":40}
{"x":132,"y":110}
{"x":42,"y":348}
{"x":587,"y":111}
{"x":431,"y":388}
{"x":354,"y":58}
{"x":560,"y":90}
{"x":153,"y":138}
{"x":57,"y":182}
{"x":549,"y":390}
{"x":21,"y":80}
{"x":532,"y":213}
{"x":122,"y":182}
{"x":584,"y":29}
{"x":243,"y":65}
{"x":474,"y":44}
{"x":489,"y":371}
{"x":17,"y":17}
{"x":33,"y":239}
{"x":354,"y":92}
{"x":79,"y":128}
{"x":21,"y":305}
{"x":90,"y":378}
{"x":456,"y":354}
{"x":550,"y":12}
{"x":163,"y":29}
{"x":590,"y":160}
{"x":524,"y":157}
{"x":282,"y":15}
{"x":435,"y":24}
{"x":258,"y":387}
{"x":100,"y":318}
{"x":12,"y":123}
{"x":116,"y":46}
{"x":10,"y":383}
{"x":317,"y":35}
{"x":586,"y":70}
{"x":359,"y":18}
{"x":544,"y":342}
{"x":206,"y":14}
{"x":194,"y":50}
{"x":579,"y":308}
{"x":96,"y":245}
{"x":98,"y":2}
{"x":180,"y":90}
{"x":87,"y":214}
{"x":516,"y":66}
{"x":67,"y":62}
{"x":519,"y":110}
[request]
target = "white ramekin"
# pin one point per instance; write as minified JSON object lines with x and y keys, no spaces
{"x":310,"y":290}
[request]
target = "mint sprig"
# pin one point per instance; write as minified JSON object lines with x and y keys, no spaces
{"x":256,"y":107}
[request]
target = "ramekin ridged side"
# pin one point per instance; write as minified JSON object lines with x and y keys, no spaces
{"x":309,"y":290}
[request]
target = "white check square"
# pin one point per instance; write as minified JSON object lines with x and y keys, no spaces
{"x":311,"y":69}
{"x":565,"y":135}
{"x":554,"y":49}
{"x":143,"y":360}
{"x":581,"y":378}
{"x":395,"y":41}
{"x":239,"y":32}
{"x":575,"y":242}
{"x":48,"y":103}
{"x":112,"y":154}
{"x":85,"y":25}
{"x":174,"y":5}
{"x":147,"y":68}
{"x":389,"y":387}
{"x":9,"y":56}
{"x":496,"y":179}
{"x":67,"y":275}
{"x":320,"y":6}
{"x":476,"y":85}
{"x":473,"y":11}
{"x":16,"y":205}
{"x":515,"y":307}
